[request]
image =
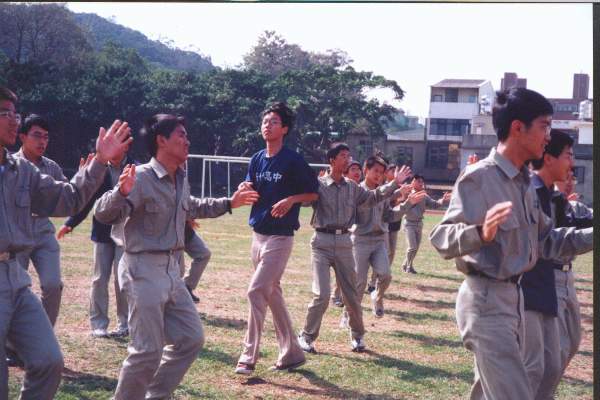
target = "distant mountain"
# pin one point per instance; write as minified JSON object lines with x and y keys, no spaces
{"x":99,"y":31}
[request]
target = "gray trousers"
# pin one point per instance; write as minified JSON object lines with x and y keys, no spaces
{"x":392,"y":244}
{"x":165,"y":328}
{"x":569,"y":318}
{"x":106,"y":260}
{"x":489,"y":315}
{"x":25,"y":327}
{"x":328,"y":250}
{"x":45,"y":256}
{"x":200,"y":254}
{"x":413,"y":233}
{"x":541,"y":360}
{"x":371,"y":251}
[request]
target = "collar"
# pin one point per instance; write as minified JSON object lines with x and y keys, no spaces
{"x":160,"y":170}
{"x":21,"y":154}
{"x":508,"y":167}
{"x":329,"y":180}
{"x":537,"y":182}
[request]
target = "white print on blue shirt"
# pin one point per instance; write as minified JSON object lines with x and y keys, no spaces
{"x":268,"y":176}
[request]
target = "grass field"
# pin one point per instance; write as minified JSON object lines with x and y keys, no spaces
{"x":414,"y":351}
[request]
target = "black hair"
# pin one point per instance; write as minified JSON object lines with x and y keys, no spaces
{"x":159,"y":124}
{"x":335,"y":149}
{"x":391,"y":166}
{"x":418,"y":177}
{"x":33,"y":120}
{"x":7,"y":95}
{"x":286,"y":115}
{"x":517,"y":104}
{"x":371,"y":161}
{"x":559,"y":140}
{"x":353,"y":162}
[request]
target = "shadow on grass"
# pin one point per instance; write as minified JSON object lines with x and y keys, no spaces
{"x":419,"y":316}
{"x":428,"y":340}
{"x":454,"y":278}
{"x":586,"y":353}
{"x":217,"y":355}
{"x":432,"y":304}
{"x":218,"y":322}
{"x":427,"y":288}
{"x":582,"y":289}
{"x":577,"y":382}
{"x":76,"y":383}
{"x":584,"y":280}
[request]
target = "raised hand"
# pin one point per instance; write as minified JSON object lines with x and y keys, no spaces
{"x":416,"y":197}
{"x":63,"y":231}
{"x":84,"y":162}
{"x":402,"y":173}
{"x":446,"y":197}
{"x":244,"y":198}
{"x":494,"y":217}
{"x":113,"y":144}
{"x":127,"y":180}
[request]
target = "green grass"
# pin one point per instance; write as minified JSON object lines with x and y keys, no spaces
{"x":414,"y":351}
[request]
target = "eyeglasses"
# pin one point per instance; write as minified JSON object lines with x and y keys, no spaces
{"x":38,"y":136}
{"x":11,"y":114}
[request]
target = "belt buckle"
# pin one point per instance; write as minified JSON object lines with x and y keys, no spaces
{"x":338,"y":231}
{"x":565,"y":268}
{"x":5,"y":256}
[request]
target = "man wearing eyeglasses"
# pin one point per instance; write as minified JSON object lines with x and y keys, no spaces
{"x":45,"y":254}
{"x":24,"y":326}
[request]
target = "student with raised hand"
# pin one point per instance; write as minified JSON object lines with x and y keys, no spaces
{"x":495,"y":230}
{"x":333,"y":214}
{"x":153,"y":201}
{"x":25,"y":190}
{"x":284,"y":181}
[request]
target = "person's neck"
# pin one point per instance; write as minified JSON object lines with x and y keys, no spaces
{"x":371,"y":185}
{"x":31,"y":157}
{"x":337,"y":176}
{"x":512,"y":153}
{"x":169,"y":164}
{"x":546,"y":177}
{"x":273,"y":147}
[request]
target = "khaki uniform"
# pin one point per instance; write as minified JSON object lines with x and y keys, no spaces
{"x":370,"y":247}
{"x":489,"y":306}
{"x":412,"y":223}
{"x":25,"y":326}
{"x":45,"y":254}
{"x":335,"y":210}
{"x":197,"y":249}
{"x":165,"y":329}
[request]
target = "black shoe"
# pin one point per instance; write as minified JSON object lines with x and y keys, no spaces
{"x":195,"y":298}
{"x":370,"y":289}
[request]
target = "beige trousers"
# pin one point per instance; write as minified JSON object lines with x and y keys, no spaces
{"x":329,"y":250}
{"x":200,"y":254}
{"x":371,"y":251}
{"x":489,"y":315}
{"x":270,"y":254}
{"x":165,"y":328}
{"x":414,"y":233}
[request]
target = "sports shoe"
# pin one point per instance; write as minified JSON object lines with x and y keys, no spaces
{"x":306,"y":344}
{"x":370,"y":289}
{"x":244,"y":368}
{"x":345,"y":321}
{"x":410,"y":270}
{"x":288,"y":367}
{"x":338,"y":303}
{"x":195,"y":298}
{"x":119,"y":333}
{"x":99,"y":333}
{"x":358,"y":345}
{"x":377,"y":311}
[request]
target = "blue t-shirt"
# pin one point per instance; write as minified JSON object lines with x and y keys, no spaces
{"x":275,"y":178}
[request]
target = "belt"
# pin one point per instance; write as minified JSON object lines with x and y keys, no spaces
{"x":7,"y":255}
{"x":513,"y":279}
{"x":169,"y":252}
{"x":563,"y":268}
{"x":341,"y":231}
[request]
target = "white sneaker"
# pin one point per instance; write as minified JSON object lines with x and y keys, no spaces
{"x":99,"y":333}
{"x":345,"y":321}
{"x":358,"y":344}
{"x":377,"y":311}
{"x":305,"y":344}
{"x":119,"y":333}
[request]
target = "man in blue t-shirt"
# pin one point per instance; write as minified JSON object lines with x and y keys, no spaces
{"x":283,"y":180}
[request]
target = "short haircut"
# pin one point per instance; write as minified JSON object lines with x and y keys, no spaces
{"x":559,"y":140}
{"x":353,"y":162}
{"x":517,"y":104}
{"x":418,"y":177}
{"x":7,"y":95}
{"x":391,"y":166}
{"x":335,"y":149}
{"x":286,"y":115}
{"x":374,"y":160}
{"x":33,"y":120}
{"x":159,"y":124}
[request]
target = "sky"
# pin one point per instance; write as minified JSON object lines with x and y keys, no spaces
{"x":417,"y":45}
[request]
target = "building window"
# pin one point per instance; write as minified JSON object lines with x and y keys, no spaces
{"x":436,"y":98}
{"x":437,"y":155}
{"x":404,"y":155}
{"x":449,"y":127}
{"x":366,"y":148}
{"x":472,"y":99}
{"x":451,"y":95}
{"x":579,"y":173}
{"x":453,"y":156}
{"x":566,"y":107}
